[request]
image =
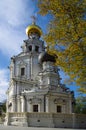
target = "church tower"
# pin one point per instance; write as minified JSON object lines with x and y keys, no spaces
{"x":35,"y":81}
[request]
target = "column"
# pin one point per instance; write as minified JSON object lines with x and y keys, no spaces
{"x":28,"y":70}
{"x":13,"y":105}
{"x":22,"y":104}
{"x":27,"y":107}
{"x":47,"y":104}
{"x":39,"y":107}
{"x":18,"y":104}
{"x":48,"y":80}
{"x":31,"y":67}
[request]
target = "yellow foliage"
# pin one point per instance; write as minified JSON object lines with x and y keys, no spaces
{"x":67,"y":31}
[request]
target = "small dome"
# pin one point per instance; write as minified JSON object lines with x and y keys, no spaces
{"x":46,"y":57}
{"x":33,"y":28}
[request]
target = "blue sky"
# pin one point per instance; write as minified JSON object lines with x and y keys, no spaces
{"x":15,"y":16}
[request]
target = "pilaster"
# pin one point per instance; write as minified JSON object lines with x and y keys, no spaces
{"x":47,"y":104}
{"x":13,"y":105}
{"x":18,"y":104}
{"x":22,"y":104}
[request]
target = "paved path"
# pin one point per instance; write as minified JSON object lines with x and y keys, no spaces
{"x":32,"y":128}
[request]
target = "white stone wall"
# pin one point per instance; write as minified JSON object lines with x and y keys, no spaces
{"x":31,"y":65}
{"x":36,"y":68}
{"x":47,"y":120}
{"x":20,"y":84}
{"x":58,"y":99}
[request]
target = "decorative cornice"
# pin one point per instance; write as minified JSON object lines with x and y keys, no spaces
{"x":59,"y":100}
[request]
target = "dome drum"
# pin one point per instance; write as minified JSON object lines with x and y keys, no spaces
{"x":46,"y":57}
{"x":33,"y":29}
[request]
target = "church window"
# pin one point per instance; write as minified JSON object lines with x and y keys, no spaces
{"x":30,"y":48}
{"x":22,"y":71}
{"x":10,"y":105}
{"x":58,"y":108}
{"x":35,"y":108}
{"x":36,"y":48}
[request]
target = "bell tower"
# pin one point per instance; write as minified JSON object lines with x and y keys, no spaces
{"x":33,"y":46}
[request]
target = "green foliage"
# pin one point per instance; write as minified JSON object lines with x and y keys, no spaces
{"x":80,"y":105}
{"x":2,"y":108}
{"x":66,"y":36}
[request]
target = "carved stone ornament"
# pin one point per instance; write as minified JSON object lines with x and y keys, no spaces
{"x":59,"y":100}
{"x":35,"y":100}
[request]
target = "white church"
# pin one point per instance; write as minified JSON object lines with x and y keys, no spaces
{"x":36,"y":96}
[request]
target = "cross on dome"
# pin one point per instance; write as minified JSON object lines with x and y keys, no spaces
{"x":33,"y":19}
{"x":33,"y":28}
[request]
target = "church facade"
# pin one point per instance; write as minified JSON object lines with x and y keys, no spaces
{"x":36,"y":96}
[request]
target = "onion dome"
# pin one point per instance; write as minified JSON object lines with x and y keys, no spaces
{"x":46,"y":57}
{"x":33,"y":29}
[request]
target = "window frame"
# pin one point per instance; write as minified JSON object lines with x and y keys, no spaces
{"x":30,"y":48}
{"x":22,"y":71}
{"x":59,"y":108}
{"x":35,"y":108}
{"x":37,"y":48}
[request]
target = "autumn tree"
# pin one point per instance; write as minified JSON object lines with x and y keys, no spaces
{"x":66,"y":36}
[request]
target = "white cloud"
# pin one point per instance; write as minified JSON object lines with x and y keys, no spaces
{"x":14,"y":14}
{"x":9,"y":40}
{"x":3,"y":83}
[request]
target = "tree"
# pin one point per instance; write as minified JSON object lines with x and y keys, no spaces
{"x":66,"y":36}
{"x":80,"y":106}
{"x":3,"y":107}
{"x":2,"y":111}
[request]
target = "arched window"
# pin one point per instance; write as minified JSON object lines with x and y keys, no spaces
{"x":37,"y":48}
{"x":30,"y":48}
